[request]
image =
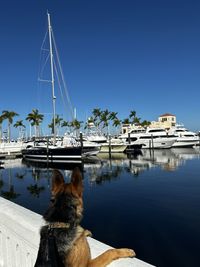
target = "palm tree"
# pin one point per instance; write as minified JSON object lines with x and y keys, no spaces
{"x":35,"y":118}
{"x":2,"y":118}
{"x":132,"y":114}
{"x":76,"y":125}
{"x":57,"y":124}
{"x":114,"y":119}
{"x":135,"y":120}
{"x":8,"y":115}
{"x":65,"y":124}
{"x":19,"y":124}
{"x":116,"y":122}
{"x":105,"y":116}
{"x":97,"y":113}
{"x":145,"y":123}
{"x":113,"y":116}
{"x":126,"y":121}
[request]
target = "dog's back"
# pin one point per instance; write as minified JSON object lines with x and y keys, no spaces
{"x":63,"y":241}
{"x":62,"y":228}
{"x":56,"y":239}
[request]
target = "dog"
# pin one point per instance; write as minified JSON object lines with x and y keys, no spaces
{"x":63,"y":242}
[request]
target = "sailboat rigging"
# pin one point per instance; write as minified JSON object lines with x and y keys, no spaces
{"x":49,"y":58}
{"x":52,"y":77}
{"x":45,"y":151}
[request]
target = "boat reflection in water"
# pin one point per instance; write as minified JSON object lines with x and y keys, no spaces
{"x":110,"y":168}
{"x":102,"y":168}
{"x":146,"y":189}
{"x":53,"y":165}
{"x":168,"y":159}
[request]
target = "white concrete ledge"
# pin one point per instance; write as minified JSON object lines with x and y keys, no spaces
{"x":19,"y":238}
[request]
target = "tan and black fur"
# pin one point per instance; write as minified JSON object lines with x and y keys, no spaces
{"x":63,"y":241}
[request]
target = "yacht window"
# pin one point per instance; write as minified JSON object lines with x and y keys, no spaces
{"x":158,"y":130}
{"x":131,"y":139}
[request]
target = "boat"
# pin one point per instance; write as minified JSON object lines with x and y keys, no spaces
{"x":185,"y":138}
{"x":115,"y":145}
{"x":94,"y":135}
{"x":13,"y":147}
{"x":152,"y":138}
{"x":88,"y":148}
{"x":53,"y":153}
{"x":107,"y":144}
{"x":45,"y":151}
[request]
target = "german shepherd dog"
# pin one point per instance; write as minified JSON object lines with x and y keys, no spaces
{"x":63,"y":242}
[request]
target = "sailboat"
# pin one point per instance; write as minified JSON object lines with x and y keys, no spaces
{"x":46,"y":151}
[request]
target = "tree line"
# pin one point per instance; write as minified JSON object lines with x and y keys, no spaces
{"x":101,"y":119}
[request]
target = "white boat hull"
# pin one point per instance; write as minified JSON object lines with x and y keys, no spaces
{"x":185,"y":142}
{"x":12,"y":147}
{"x":185,"y":138}
{"x":150,"y":138}
{"x":115,"y":148}
{"x":155,"y":143}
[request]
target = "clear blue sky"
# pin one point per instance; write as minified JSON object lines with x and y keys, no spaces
{"x":123,"y":55}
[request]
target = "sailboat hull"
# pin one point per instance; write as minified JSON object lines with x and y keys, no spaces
{"x":55,"y":154}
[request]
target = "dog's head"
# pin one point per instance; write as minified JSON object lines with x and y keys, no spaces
{"x":67,"y":203}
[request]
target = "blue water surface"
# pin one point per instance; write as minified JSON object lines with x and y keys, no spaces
{"x":149,"y":202}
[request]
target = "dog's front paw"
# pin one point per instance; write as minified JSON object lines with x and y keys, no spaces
{"x":126,"y":252}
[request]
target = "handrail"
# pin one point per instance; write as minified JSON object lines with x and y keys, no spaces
{"x":19,"y":238}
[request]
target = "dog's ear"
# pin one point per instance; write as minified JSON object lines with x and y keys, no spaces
{"x":76,"y":181}
{"x":57,"y":181}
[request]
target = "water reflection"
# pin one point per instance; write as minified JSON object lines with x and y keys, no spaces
{"x":9,"y":192}
{"x":158,"y":206}
{"x":98,"y":169}
{"x":167,"y":159}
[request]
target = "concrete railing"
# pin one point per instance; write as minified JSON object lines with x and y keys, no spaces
{"x":19,"y":238}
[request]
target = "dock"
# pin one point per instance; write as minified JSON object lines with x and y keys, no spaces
{"x":19,"y":238}
{"x":10,"y":155}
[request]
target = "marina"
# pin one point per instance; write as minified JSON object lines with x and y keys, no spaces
{"x":143,"y":199}
{"x":121,"y":133}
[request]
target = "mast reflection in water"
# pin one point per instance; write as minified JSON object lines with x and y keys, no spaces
{"x":149,"y":201}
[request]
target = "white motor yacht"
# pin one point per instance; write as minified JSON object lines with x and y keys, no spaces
{"x":185,"y":137}
{"x":95,"y":137}
{"x":11,"y":147}
{"x":149,"y":138}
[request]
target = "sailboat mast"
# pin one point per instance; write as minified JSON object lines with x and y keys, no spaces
{"x":52,"y":77}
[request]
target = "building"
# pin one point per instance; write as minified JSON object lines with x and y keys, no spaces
{"x":166,"y":121}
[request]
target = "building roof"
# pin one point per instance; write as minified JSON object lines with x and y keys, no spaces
{"x":167,"y":115}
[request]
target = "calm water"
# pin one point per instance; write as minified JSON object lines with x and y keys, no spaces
{"x":149,"y":202}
